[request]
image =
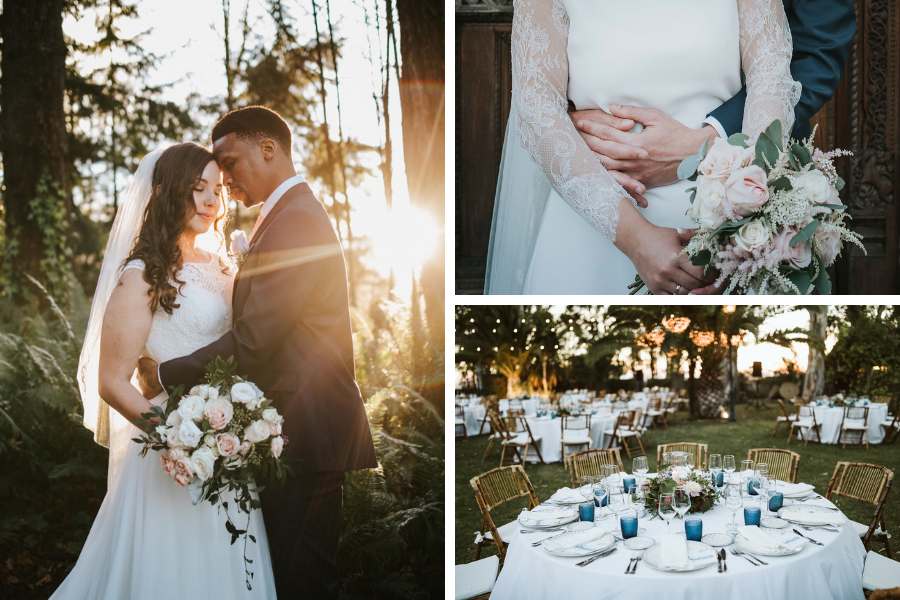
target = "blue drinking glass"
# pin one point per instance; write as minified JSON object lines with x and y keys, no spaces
{"x":552,"y":415}
{"x":751,"y":487}
{"x":629,"y":526}
{"x":720,"y":479}
{"x":776,"y":501}
{"x":693,"y":529}
{"x":751,"y":515}
{"x":586,"y":512}
{"x":627,"y":482}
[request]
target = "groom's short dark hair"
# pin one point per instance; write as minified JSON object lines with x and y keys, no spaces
{"x":254,"y":123}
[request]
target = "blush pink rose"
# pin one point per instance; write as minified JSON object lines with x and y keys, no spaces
{"x":175,"y":454}
{"x":183,"y":471}
{"x":722,"y":160}
{"x":182,"y":480}
{"x":277,"y":446}
{"x":219,"y":412}
{"x":274,"y":428}
{"x":168,"y":464}
{"x":747,"y":189}
{"x":228,"y":444}
{"x":829,"y":244}
{"x":799,"y":256}
{"x":245,"y":448}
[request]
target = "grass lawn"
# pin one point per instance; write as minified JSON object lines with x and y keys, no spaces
{"x":752,"y":430}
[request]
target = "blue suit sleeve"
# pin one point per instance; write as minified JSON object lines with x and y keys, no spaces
{"x":822,"y":31}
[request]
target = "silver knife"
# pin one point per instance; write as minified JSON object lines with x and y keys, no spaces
{"x":539,"y":530}
{"x":552,"y":537}
{"x":809,"y":538}
{"x":585,"y":563}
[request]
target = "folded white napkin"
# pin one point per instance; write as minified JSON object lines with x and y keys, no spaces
{"x":760,"y":541}
{"x":810,"y":517}
{"x":673,"y":552}
{"x":794,"y":490}
{"x":590,"y":539}
{"x":552,"y":514}
{"x":568,"y":495}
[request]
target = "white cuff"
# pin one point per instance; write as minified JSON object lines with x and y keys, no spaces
{"x":710,"y":120}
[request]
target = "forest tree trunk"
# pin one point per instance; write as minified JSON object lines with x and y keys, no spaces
{"x":34,"y":144}
{"x":814,"y":381}
{"x":422,"y":108}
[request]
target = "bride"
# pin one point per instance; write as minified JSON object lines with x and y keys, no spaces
{"x":164,"y":291}
{"x":562,"y":224}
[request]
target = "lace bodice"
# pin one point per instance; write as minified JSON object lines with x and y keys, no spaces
{"x":542,"y":59}
{"x":203,"y":316}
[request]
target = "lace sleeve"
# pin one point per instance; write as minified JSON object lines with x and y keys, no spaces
{"x":766,"y":51}
{"x":540,"y":80}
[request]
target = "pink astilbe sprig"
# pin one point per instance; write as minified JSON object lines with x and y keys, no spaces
{"x":823,"y":162}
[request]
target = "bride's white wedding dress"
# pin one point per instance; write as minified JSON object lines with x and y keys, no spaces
{"x":148,"y":540}
{"x":555,"y":236}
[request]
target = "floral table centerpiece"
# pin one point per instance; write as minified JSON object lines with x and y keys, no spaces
{"x":703,"y":494}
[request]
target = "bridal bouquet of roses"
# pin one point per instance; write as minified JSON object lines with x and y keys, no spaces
{"x":769,"y":217}
{"x":220,"y":436}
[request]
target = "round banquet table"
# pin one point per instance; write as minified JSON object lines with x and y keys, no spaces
{"x":550,"y":432}
{"x":474,"y":415}
{"x":829,"y":572}
{"x":829,"y":420}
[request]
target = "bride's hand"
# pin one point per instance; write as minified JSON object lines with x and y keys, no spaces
{"x":148,"y":378}
{"x":712,"y":289}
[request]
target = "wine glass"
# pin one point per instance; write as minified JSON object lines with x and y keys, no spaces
{"x":634,"y":496}
{"x":587,"y":487}
{"x":689,"y":461}
{"x":601,"y":496}
{"x":640,"y":468}
{"x":733,"y":501}
{"x":728,"y":465}
{"x":715,"y":467}
{"x":667,"y":509}
{"x":682,"y":501}
{"x":746,"y":474}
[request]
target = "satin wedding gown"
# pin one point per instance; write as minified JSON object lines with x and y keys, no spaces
{"x":148,"y":540}
{"x":683,"y":58}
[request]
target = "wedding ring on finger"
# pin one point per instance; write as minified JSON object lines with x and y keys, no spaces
{"x":677,"y":289}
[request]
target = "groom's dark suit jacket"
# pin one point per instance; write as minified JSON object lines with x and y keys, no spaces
{"x":291,"y":336}
{"x":822,"y":31}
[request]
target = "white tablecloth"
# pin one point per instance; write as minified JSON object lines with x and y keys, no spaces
{"x":829,"y":420}
{"x":474,"y":415}
{"x":830,"y":572}
{"x":550,"y":432}
{"x":530,"y":406}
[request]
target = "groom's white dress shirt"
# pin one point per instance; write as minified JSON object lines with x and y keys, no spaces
{"x":267,"y":207}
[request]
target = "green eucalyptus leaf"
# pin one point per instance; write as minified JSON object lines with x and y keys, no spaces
{"x":774,"y":133}
{"x":801,"y":280}
{"x":689,"y":166}
{"x":703,"y":148}
{"x":738,"y":139}
{"x":839,"y":185}
{"x":805,"y":233}
{"x":802,"y":154}
{"x":702,"y":258}
{"x":782,"y":184}
{"x":766,"y":147}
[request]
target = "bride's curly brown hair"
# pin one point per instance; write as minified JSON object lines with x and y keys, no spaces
{"x":175,"y":175}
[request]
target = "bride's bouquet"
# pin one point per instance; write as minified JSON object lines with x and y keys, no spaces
{"x":769,"y":217}
{"x":221,"y":436}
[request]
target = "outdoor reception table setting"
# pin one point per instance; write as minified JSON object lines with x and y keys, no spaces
{"x":548,"y":429}
{"x":829,"y":417}
{"x":558,"y":551}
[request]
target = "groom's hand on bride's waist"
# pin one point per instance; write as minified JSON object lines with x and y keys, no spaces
{"x":148,"y":378}
{"x":649,"y":158}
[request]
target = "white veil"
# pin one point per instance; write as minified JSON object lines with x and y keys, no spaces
{"x":110,"y":428}
{"x":522,"y":195}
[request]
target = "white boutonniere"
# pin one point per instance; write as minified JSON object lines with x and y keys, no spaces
{"x":240,"y":246}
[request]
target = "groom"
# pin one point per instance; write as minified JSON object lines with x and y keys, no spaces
{"x":822,"y":31}
{"x":291,"y":336}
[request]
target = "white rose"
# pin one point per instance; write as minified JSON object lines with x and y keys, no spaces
{"x":256,"y":432}
{"x":270,"y":415}
{"x":189,"y":434}
{"x":722,"y":160}
{"x":174,"y":419}
{"x":191,"y":408}
{"x":243,"y":392}
{"x":707,"y":204}
{"x":816,"y":186}
{"x":259,"y":392}
{"x":212,"y":393}
{"x":172,"y":439}
{"x":752,"y":235}
{"x":163,"y":432}
{"x":210,"y":440}
{"x":195,"y":391}
{"x":203,"y":461}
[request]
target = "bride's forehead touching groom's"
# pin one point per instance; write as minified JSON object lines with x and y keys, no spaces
{"x":250,"y":165}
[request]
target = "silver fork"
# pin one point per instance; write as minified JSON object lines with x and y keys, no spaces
{"x":634,"y":568}
{"x":756,"y":558}
{"x":630,"y":561}
{"x":736,"y":553}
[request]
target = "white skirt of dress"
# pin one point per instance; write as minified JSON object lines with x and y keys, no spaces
{"x":150,"y":542}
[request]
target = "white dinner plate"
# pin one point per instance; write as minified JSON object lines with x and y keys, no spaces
{"x":741,"y":543}
{"x":580,"y":526}
{"x":785,"y":513}
{"x":717,"y":540}
{"x":639,"y":543}
{"x":546,"y":523}
{"x":652,"y":556}
{"x":596,"y":547}
{"x":775,"y":524}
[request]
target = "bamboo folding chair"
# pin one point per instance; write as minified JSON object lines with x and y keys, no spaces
{"x":869,"y":484}
{"x":783,"y":418}
{"x":589,"y":462}
{"x":656,"y":414}
{"x":668,"y":405}
{"x":893,"y":428}
{"x":497,"y":432}
{"x":783,"y":464}
{"x":494,"y":488}
{"x":579,"y":431}
{"x":490,"y":404}
{"x":886,"y":594}
{"x":700,"y":452}
{"x":460,"y":422}
{"x":518,"y":435}
{"x":623,"y":432}
{"x":806,"y":419}
{"x":855,"y":419}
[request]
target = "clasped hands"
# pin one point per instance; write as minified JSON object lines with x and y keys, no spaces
{"x":648,"y":159}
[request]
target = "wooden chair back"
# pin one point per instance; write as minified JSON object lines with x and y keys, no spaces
{"x":784,"y":411}
{"x":460,"y":411}
{"x":515,"y":403}
{"x":589,"y":462}
{"x":580,"y":424}
{"x":700,"y":451}
{"x":783,"y":464}
{"x":498,"y":424}
{"x":886,"y":594}
{"x":864,"y":482}
{"x":497,"y":487}
{"x":856,"y":413}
